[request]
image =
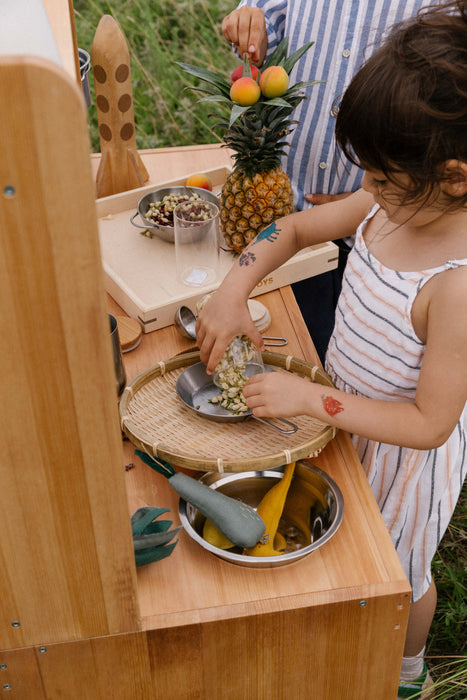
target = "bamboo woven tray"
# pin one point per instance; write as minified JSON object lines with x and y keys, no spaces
{"x":155,"y":420}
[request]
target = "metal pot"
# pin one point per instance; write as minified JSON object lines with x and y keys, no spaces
{"x":166,"y":232}
{"x":312,"y":513}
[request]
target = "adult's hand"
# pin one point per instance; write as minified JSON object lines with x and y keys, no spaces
{"x":246,"y":29}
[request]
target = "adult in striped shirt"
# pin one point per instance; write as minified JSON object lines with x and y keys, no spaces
{"x":399,"y":348}
{"x":345,"y":32}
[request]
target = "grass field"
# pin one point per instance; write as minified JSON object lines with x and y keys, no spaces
{"x":159,"y":34}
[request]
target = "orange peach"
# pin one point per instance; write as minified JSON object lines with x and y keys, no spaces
{"x":238,"y":73}
{"x":245,"y":92}
{"x":274,"y":81}
{"x":199,"y":180}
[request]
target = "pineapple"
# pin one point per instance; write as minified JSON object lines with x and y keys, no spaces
{"x":257,"y":191}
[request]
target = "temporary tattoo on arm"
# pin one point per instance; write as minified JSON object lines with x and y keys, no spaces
{"x":270,"y":233}
{"x":246,"y":258}
{"x":331,"y":406}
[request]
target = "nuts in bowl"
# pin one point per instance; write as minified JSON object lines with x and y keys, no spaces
{"x":156,"y":208}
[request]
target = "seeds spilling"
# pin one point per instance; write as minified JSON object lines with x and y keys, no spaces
{"x":231,"y":374}
{"x":231,"y":381}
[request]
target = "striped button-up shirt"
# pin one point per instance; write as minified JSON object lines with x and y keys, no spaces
{"x":345,"y":33}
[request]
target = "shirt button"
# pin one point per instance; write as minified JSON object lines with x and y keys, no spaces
{"x":334,"y":112}
{"x":322,"y":165}
{"x":346,"y":53}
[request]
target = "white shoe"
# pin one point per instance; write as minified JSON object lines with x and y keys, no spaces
{"x":420,"y":688}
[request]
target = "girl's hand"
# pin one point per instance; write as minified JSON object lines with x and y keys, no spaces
{"x":246,"y":29}
{"x":274,"y":394}
{"x":222,"y":318}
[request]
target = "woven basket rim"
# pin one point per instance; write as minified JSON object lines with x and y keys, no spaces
{"x":145,"y":442}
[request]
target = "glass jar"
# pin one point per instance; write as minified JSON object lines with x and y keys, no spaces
{"x":240,"y":361}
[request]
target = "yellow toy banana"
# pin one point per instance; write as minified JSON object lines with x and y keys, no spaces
{"x":270,"y":509}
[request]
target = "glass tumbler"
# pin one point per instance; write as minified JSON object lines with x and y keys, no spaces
{"x":197,"y":242}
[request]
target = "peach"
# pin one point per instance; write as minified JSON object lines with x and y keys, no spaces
{"x":199,"y":180}
{"x":274,"y":81}
{"x":238,"y":73}
{"x":245,"y":92}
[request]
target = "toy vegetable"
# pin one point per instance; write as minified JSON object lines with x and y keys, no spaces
{"x":240,"y":523}
{"x":151,"y":537}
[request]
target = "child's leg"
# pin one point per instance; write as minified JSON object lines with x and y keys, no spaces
{"x":415,"y":680}
{"x":420,"y":619}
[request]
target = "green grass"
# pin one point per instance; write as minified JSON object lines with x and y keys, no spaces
{"x":158,"y":34}
{"x":166,"y":114}
{"x":447,"y":642}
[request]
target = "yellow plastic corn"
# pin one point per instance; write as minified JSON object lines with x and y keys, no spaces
{"x":270,"y":509}
{"x":215,"y":537}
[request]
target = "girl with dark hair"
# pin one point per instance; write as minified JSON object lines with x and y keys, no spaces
{"x":399,"y":349}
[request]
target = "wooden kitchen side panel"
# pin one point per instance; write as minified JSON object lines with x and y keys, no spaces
{"x":66,"y":553}
{"x":161,"y":665}
{"x":117,"y":666}
{"x":328,"y":652}
{"x":20,"y":677}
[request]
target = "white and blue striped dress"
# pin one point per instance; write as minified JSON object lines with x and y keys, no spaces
{"x":346,"y":33}
{"x":374,"y":352}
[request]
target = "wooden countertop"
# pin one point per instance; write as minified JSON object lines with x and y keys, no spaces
{"x":192,"y":585}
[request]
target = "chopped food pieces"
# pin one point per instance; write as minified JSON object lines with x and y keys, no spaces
{"x":162,"y":213}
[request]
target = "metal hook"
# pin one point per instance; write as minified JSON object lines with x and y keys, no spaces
{"x":280,"y":341}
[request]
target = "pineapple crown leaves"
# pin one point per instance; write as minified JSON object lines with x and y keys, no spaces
{"x":217,"y":87}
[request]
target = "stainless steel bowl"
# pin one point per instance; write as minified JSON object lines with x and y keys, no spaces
{"x":166,"y":232}
{"x":312,"y":513}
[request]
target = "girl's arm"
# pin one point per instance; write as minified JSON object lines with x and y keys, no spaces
{"x":441,"y":393}
{"x":226,"y":313}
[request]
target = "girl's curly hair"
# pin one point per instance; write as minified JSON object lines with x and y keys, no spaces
{"x":406,"y":109}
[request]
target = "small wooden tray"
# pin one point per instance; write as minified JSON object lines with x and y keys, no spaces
{"x":140,"y":272}
{"x":155,"y":420}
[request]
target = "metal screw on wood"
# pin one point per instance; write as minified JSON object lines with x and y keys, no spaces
{"x":7,"y":686}
{"x":3,"y":667}
{"x":362,"y":603}
{"x":42,"y":650}
{"x":15,"y":623}
{"x":9,"y":191}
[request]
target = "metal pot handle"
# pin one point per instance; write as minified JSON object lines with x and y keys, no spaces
{"x":132,"y":218}
{"x":292,"y":429}
{"x":278,"y":340}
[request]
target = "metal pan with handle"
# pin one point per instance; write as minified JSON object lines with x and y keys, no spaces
{"x":196,"y":389}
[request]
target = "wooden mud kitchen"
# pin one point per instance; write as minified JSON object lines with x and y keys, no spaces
{"x":77,"y":619}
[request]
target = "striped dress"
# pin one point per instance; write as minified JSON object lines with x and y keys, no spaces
{"x":374,"y":352}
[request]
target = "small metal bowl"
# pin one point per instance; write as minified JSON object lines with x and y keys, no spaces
{"x":166,"y":232}
{"x":312,"y":513}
